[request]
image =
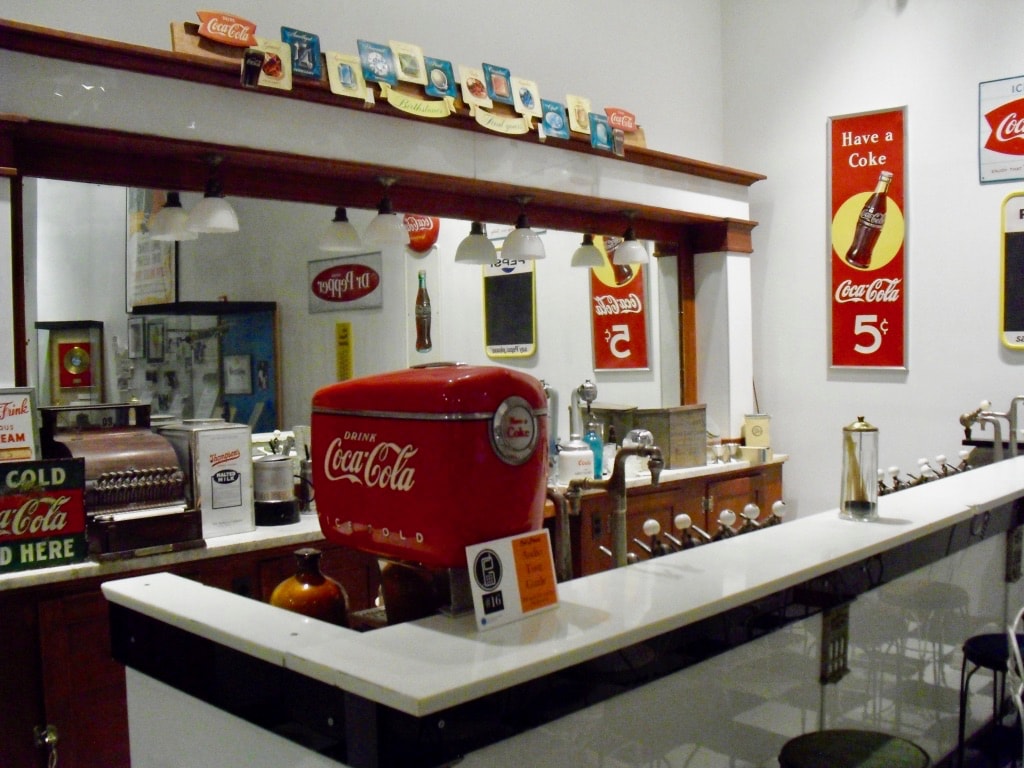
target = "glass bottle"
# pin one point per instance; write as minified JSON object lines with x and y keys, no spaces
{"x":858,"y":498}
{"x":869,"y":225}
{"x":592,"y":437}
{"x":310,"y":592}
{"x":423,"y":343}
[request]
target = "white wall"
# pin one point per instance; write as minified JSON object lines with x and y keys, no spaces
{"x":587,"y":50}
{"x":752,"y":86}
{"x":267,"y":261}
{"x":790,"y":65}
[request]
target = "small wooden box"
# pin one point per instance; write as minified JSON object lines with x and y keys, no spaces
{"x":680,"y":432}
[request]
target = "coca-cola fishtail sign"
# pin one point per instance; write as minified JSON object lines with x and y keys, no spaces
{"x":868,"y":238}
{"x":618,"y":315}
{"x":1001,"y":130}
{"x":42,"y":514}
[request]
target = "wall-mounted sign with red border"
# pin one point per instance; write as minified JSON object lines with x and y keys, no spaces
{"x":1001,"y":129}
{"x":345,"y":282}
{"x":867,"y":233}
{"x":618,"y":310}
{"x":42,"y":514}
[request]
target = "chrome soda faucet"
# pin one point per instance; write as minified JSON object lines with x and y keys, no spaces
{"x":587,"y":392}
{"x":615,"y":485}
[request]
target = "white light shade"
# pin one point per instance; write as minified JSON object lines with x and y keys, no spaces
{"x":630,"y":251}
{"x":588,"y":254}
{"x":340,"y":235}
{"x":213,"y":214}
{"x":475,"y":248}
{"x":386,"y":229}
{"x":169,"y":222}
{"x":523,"y":243}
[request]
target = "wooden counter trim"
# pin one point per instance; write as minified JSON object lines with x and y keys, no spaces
{"x":41,"y":41}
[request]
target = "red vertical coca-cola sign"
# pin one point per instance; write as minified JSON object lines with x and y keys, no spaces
{"x":618,"y":315}
{"x":868,"y":240}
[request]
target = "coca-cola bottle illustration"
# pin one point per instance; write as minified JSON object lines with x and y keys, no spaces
{"x":423,"y":343}
{"x":869,"y":225}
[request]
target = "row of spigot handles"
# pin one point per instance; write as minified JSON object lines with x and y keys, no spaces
{"x":688,"y":535}
{"x":893,"y":479}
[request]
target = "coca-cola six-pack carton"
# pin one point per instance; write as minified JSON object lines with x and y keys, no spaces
{"x":417,"y":464}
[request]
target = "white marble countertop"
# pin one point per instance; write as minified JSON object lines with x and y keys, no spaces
{"x":264,"y":537}
{"x":424,"y":666}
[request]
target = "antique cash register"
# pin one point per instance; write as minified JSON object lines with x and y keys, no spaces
{"x":134,"y":482}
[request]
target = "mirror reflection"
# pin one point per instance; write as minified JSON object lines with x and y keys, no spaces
{"x":80,"y":237}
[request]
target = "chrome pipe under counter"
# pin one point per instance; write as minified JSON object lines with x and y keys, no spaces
{"x":445,"y":690}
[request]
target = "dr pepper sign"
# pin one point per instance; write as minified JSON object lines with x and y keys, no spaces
{"x":868,"y":236}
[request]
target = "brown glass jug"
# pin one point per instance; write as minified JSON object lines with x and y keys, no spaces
{"x":310,"y":592}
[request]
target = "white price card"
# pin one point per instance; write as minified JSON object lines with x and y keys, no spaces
{"x":511,"y":578}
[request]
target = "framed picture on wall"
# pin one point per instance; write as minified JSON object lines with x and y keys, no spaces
{"x":136,"y":337}
{"x":150,"y":265}
{"x":237,"y":375}
{"x":156,"y":331}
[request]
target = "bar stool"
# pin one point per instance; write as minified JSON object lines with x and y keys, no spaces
{"x":986,"y":651}
{"x":852,"y":748}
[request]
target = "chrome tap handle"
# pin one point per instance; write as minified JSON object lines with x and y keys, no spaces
{"x":726,"y":518}
{"x":750,"y":514}
{"x":778,"y":512}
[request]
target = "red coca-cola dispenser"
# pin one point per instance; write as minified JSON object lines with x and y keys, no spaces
{"x":416,"y":464}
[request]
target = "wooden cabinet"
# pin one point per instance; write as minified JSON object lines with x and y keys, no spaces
{"x":702,"y":498}
{"x":57,"y":667}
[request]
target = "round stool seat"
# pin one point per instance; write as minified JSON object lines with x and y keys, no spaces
{"x":852,"y":749}
{"x":989,"y":651}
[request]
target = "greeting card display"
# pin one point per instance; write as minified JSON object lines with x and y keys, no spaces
{"x":526,"y":98}
{"x":474,"y":92}
{"x":498,"y":81}
{"x":345,"y":75}
{"x":378,"y":62}
{"x":410,"y":65}
{"x":305,"y":50}
{"x":556,"y":122}
{"x":440,"y":78}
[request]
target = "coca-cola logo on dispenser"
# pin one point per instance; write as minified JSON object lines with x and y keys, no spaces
{"x":423,"y":231}
{"x":345,"y":282}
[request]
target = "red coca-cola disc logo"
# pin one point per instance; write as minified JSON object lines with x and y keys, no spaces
{"x":345,"y":282}
{"x":422,"y":231}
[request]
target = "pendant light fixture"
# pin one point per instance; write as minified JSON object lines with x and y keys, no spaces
{"x":169,"y":222}
{"x":475,"y":248}
{"x":213,"y":214}
{"x":630,"y":250}
{"x":588,"y":254}
{"x":339,"y":235}
{"x":386,"y":228}
{"x":522,"y":242}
